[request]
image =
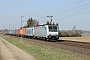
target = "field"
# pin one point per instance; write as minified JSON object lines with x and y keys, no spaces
{"x":44,"y":52}
{"x":81,"y":39}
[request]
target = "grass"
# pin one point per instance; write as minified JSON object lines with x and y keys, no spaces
{"x":44,"y":52}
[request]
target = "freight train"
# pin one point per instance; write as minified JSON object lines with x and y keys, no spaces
{"x":45,"y":32}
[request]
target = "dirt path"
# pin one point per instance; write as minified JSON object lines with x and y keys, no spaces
{"x":11,"y":52}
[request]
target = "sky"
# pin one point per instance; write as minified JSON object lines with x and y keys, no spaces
{"x":67,"y":13}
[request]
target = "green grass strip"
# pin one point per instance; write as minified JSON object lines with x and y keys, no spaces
{"x":44,"y":52}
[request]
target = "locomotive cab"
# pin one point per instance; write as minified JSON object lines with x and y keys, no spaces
{"x":47,"y":32}
{"x":52,"y":32}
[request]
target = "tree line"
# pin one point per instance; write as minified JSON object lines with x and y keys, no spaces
{"x":33,"y":22}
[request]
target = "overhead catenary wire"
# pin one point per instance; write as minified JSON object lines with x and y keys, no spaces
{"x":72,"y":9}
{"x":61,"y":9}
{"x":76,"y":10}
{"x":73,"y":15}
{"x":68,"y":6}
{"x":65,"y":12}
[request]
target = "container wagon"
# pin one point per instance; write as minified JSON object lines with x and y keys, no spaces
{"x":23,"y":32}
{"x":30,"y":32}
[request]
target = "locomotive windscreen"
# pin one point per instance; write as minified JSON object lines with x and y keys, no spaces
{"x":53,"y":29}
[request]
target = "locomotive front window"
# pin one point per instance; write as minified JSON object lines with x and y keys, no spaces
{"x":55,"y":28}
{"x":52,"y":28}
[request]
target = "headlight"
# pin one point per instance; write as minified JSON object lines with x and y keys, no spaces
{"x":49,"y":36}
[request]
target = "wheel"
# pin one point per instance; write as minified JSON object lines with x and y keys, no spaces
{"x":50,"y":40}
{"x":44,"y":39}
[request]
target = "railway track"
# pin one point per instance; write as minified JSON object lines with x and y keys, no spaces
{"x":85,"y":45}
{"x":74,"y":46}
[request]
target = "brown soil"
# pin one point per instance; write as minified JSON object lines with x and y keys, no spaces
{"x":80,"y":39}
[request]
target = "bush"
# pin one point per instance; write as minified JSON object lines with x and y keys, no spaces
{"x":69,"y":33}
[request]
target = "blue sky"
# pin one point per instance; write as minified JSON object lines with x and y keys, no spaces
{"x":67,"y":13}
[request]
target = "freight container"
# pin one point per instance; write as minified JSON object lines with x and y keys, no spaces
{"x":24,"y":31}
{"x":12,"y":32}
{"x":9,"y":31}
{"x":30,"y":31}
{"x":17,"y":32}
{"x":5,"y":31}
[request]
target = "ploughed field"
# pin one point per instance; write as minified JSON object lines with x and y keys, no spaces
{"x":66,"y":43}
{"x":80,"y":39}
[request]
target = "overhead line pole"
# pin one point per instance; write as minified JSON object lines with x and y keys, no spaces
{"x":21,"y":26}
